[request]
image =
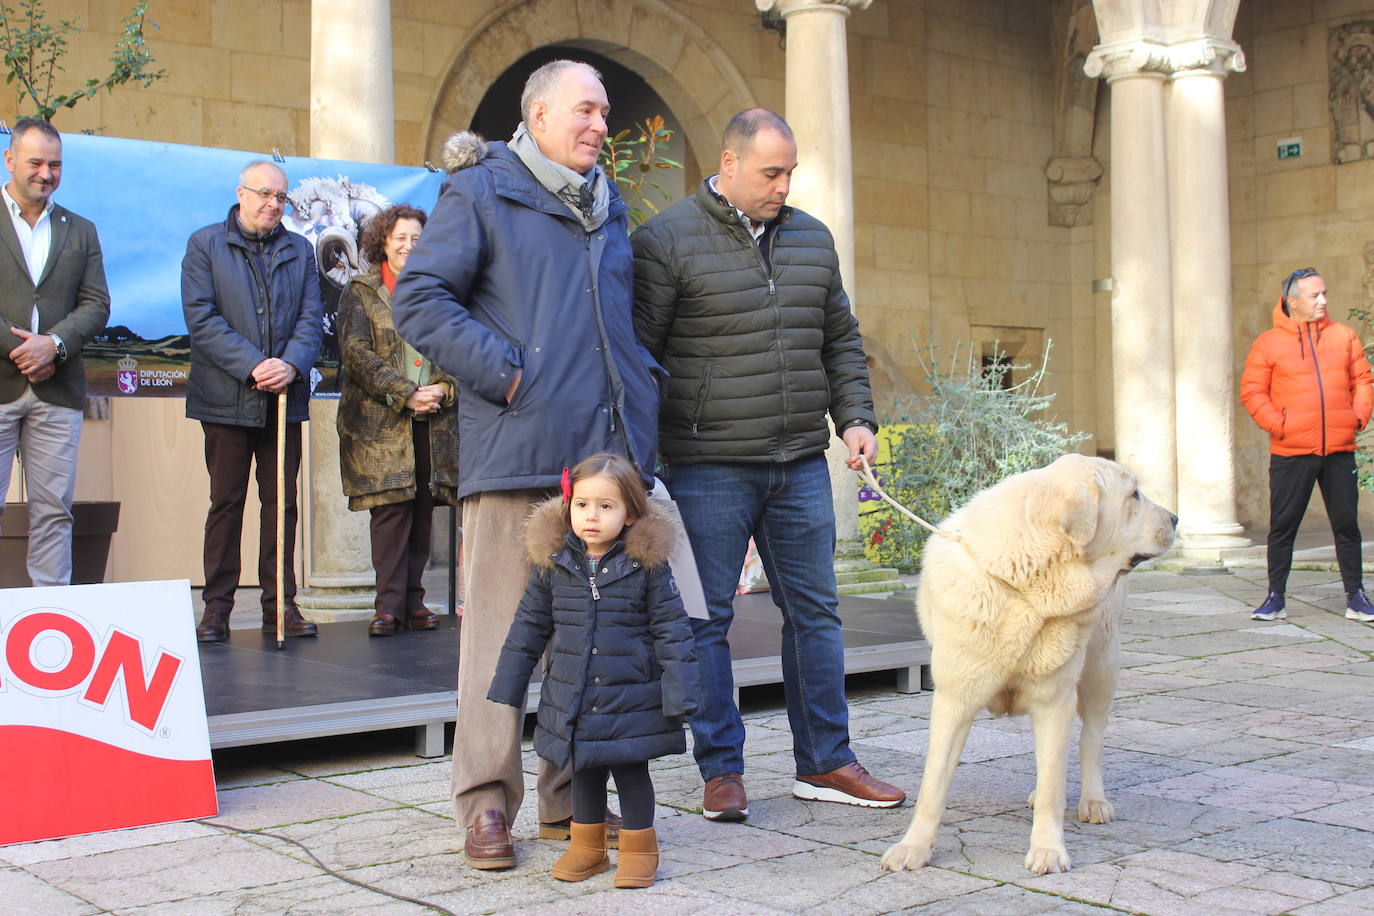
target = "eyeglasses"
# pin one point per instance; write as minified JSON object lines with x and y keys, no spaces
{"x":264,"y":193}
{"x":1291,"y":282}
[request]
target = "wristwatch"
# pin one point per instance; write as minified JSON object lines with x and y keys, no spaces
{"x":860,"y":422}
{"x":61,"y":348}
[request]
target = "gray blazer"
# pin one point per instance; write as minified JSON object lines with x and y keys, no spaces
{"x":72,"y":298}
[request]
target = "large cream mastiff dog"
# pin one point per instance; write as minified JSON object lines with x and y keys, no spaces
{"x":1021,"y":598}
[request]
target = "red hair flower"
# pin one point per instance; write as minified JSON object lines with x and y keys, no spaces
{"x":566,"y":484}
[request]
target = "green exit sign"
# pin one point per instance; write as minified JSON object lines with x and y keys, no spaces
{"x":1290,"y":148}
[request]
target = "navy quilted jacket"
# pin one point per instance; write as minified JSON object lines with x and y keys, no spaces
{"x":623,"y":669}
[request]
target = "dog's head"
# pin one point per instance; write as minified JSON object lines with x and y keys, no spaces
{"x":1103,"y":513}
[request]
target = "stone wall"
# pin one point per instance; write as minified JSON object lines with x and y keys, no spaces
{"x":953,"y":124}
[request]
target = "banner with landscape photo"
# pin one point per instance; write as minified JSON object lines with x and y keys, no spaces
{"x":147,"y":198}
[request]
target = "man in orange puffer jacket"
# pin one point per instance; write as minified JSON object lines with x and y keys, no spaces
{"x":1307,"y":383}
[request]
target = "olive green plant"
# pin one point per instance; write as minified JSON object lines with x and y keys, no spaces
{"x":939,"y":449}
{"x":34,"y":49}
{"x":1364,"y":441}
{"x":632,"y":161}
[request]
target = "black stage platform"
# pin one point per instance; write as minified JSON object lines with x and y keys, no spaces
{"x":345,"y":682}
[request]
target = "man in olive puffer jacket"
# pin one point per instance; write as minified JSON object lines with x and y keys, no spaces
{"x":740,"y":298}
{"x":1307,"y":383}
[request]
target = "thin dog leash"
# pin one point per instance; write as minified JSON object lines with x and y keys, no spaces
{"x":866,"y":475}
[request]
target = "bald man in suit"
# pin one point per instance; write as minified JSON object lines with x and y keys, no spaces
{"x":53,"y":298}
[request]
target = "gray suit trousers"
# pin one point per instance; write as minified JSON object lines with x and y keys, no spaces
{"x":46,"y":437}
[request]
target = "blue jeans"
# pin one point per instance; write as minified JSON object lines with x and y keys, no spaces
{"x":787,"y":510}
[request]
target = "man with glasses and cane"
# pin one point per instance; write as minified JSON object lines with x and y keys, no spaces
{"x":250,"y":292}
{"x":1307,"y":383}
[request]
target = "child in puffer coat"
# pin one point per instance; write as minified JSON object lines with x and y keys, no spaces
{"x":622,"y":674}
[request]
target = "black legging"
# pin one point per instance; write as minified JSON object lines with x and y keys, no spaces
{"x":631,"y":781}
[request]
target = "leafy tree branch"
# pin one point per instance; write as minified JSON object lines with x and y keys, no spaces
{"x":33,"y":51}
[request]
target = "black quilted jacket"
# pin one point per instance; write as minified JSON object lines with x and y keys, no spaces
{"x":756,"y":355}
{"x":623,"y":669}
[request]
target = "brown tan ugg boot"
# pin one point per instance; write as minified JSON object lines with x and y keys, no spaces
{"x":586,"y":855}
{"x":638,"y":858}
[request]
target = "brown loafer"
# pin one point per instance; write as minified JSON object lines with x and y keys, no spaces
{"x":487,"y":845}
{"x":724,"y":799}
{"x":562,"y":830}
{"x":382,"y":625}
{"x":424,"y":619}
{"x":850,"y":784}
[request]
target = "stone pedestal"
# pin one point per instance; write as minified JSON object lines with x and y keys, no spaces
{"x":341,"y":584}
{"x":351,"y":117}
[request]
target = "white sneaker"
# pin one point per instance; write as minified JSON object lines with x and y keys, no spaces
{"x":1357,"y":607}
{"x":1271,"y":609}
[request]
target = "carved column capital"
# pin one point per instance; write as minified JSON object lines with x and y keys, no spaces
{"x":786,"y":8}
{"x":1071,"y":185}
{"x":1139,"y":56}
{"x":1204,"y":56}
{"x":1133,"y":57}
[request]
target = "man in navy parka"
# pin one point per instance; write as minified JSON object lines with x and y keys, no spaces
{"x":521,"y":287}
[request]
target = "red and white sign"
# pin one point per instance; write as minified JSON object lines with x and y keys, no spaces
{"x":102,"y":718}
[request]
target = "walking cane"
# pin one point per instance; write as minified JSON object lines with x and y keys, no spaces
{"x":281,"y":519}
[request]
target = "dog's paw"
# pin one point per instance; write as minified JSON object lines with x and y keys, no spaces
{"x":903,"y":856}
{"x":1042,"y":860}
{"x":1095,"y":810}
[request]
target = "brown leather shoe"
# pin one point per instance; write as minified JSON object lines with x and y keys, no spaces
{"x":487,"y":845}
{"x":423,"y":619}
{"x":851,"y":784}
{"x":294,"y":624}
{"x":382,"y":625}
{"x":562,"y":830}
{"x":213,"y":626}
{"x":724,"y":799}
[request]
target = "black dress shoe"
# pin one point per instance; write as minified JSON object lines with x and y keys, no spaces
{"x":382,"y":625}
{"x":213,"y":627}
{"x":295,"y":624}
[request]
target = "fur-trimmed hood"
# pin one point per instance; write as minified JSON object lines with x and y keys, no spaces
{"x":650,"y":540}
{"x":462,"y":150}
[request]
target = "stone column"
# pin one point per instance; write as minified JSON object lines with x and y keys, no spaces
{"x":351,"y":100}
{"x":1204,"y":382}
{"x":818,"y":111}
{"x":1142,"y":316}
{"x":351,"y":117}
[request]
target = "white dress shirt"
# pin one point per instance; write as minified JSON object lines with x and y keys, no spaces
{"x":35,"y":240}
{"x":754,"y":231}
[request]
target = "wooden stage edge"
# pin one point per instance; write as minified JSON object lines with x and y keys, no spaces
{"x":405,"y":681}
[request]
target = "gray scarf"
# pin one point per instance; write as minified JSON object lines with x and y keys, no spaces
{"x":587,"y":196}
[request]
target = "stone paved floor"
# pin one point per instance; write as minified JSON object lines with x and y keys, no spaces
{"x":1240,"y":761}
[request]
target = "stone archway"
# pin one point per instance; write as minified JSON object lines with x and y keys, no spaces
{"x":684,"y":65}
